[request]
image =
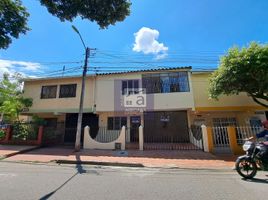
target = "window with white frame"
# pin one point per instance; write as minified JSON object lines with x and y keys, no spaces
{"x":130,"y":87}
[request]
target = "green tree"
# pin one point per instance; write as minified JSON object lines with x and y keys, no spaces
{"x":242,"y":70}
{"x":13,"y":21}
{"x":11,"y":100}
{"x":13,"y":15}
{"x":103,"y":12}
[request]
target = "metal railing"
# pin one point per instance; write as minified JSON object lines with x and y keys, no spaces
{"x":243,"y":132}
{"x":166,"y":139}
{"x":104,"y":135}
{"x":196,"y":136}
{"x":192,"y":140}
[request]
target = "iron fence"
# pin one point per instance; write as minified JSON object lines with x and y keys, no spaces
{"x":196,"y":136}
{"x":243,"y":132}
{"x":104,"y":135}
{"x":192,"y":140}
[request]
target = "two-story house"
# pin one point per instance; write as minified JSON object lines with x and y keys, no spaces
{"x":160,"y":100}
{"x":57,"y":99}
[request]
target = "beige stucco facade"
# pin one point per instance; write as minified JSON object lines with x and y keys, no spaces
{"x":58,"y":105}
{"x":200,"y":82}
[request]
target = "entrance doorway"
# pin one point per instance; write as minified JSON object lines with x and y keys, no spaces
{"x":89,"y":119}
{"x":135,"y":122}
{"x":166,"y":127}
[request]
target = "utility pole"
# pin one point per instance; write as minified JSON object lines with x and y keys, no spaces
{"x":80,"y":115}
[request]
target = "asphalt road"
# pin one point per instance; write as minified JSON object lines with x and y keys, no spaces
{"x":35,"y":181}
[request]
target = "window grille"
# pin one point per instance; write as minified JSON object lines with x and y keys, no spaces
{"x":67,"y":91}
{"x":166,"y":82}
{"x":49,"y":92}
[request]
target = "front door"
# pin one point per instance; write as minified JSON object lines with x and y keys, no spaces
{"x":89,"y":119}
{"x":135,"y":122}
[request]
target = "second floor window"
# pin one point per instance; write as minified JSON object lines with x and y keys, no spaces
{"x":49,"y":92}
{"x":67,"y":91}
{"x":130,"y":87}
{"x":166,"y":82}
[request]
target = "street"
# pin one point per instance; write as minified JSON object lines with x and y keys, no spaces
{"x":39,"y":181}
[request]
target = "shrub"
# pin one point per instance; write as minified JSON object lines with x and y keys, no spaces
{"x":24,"y":131}
{"x":2,"y":134}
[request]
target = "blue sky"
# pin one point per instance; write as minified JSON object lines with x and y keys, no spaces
{"x":168,"y":33}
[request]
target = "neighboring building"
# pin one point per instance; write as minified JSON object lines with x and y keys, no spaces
{"x":228,"y":110}
{"x":165,"y":101}
{"x":57,"y":101}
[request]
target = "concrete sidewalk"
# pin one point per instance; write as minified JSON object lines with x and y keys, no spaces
{"x":11,"y":150}
{"x":152,"y":158}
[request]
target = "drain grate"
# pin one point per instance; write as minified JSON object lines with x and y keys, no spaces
{"x":122,"y":153}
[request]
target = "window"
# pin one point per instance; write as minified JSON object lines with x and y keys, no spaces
{"x":67,"y":91}
{"x":116,"y":123}
{"x":130,"y":87}
{"x":49,"y":92}
{"x":224,"y":122}
{"x":166,"y":82}
{"x":51,"y":122}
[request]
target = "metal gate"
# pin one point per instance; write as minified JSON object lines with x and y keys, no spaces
{"x":169,"y":130}
{"x":220,"y":134}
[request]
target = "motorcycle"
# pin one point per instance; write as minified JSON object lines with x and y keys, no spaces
{"x":254,"y":160}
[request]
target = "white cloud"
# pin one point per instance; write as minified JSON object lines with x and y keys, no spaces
{"x":146,"y":42}
{"x":25,"y":68}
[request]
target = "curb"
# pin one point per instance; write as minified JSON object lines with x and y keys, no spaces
{"x":136,"y":165}
{"x":116,"y":164}
{"x":19,"y":152}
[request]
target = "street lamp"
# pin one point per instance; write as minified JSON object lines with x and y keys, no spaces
{"x":80,"y":115}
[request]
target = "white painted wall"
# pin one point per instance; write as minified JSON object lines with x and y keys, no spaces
{"x":105,"y":90}
{"x":90,"y":143}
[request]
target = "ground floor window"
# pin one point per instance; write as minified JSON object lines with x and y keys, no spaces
{"x":224,"y":121}
{"x":51,"y":122}
{"x":116,"y":123}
